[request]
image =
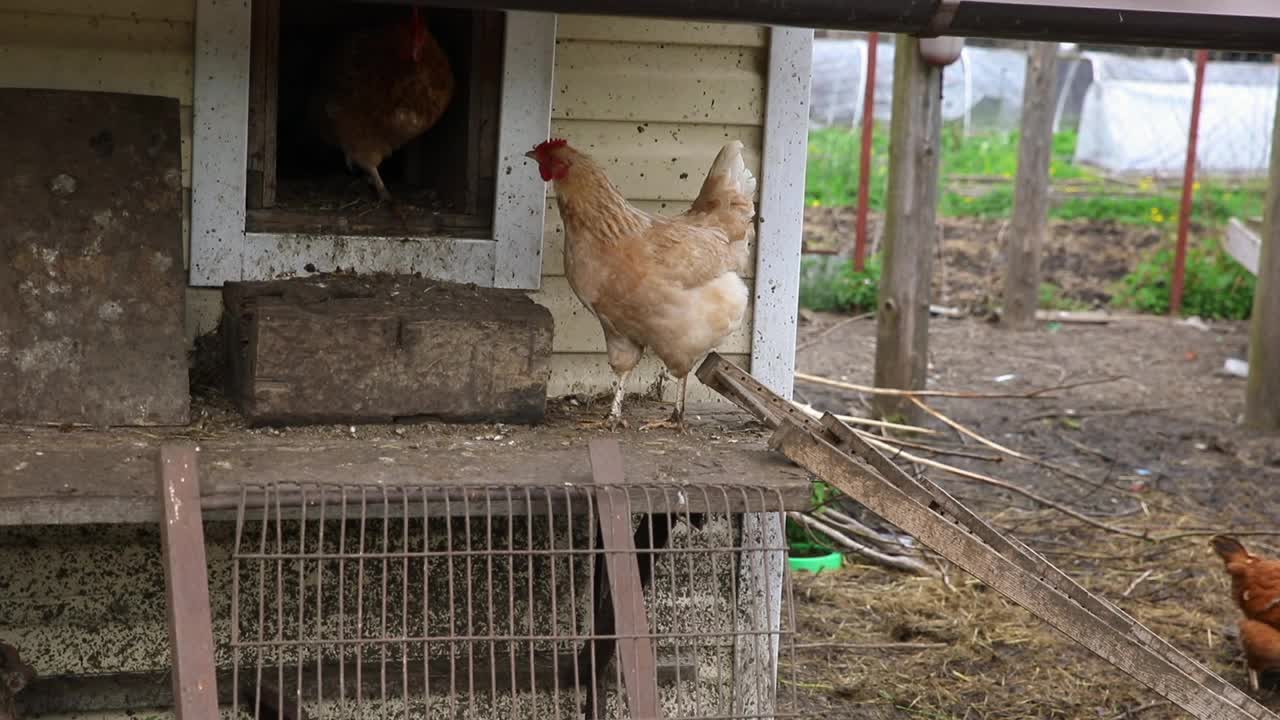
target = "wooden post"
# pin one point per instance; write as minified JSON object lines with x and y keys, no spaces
{"x":186,"y":580}
{"x":1031,"y":194}
{"x":1262,"y":402}
{"x":902,"y":336}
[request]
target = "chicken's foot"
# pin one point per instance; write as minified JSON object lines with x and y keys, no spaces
{"x":676,"y":421}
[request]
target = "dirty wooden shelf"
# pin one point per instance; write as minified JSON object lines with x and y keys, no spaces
{"x":88,"y":476}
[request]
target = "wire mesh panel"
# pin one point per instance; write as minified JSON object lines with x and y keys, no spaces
{"x":494,"y":602}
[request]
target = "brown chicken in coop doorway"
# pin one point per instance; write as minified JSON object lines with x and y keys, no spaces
{"x":385,"y":88}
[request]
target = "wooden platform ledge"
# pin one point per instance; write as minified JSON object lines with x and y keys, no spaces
{"x":108,"y":476}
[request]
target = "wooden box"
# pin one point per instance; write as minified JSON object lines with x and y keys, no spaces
{"x":382,"y":348}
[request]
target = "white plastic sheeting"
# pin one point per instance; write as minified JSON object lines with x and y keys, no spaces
{"x":983,"y":89}
{"x":1137,"y":113}
{"x":1132,"y":113}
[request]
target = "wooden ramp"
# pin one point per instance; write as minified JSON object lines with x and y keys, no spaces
{"x":832,"y":452}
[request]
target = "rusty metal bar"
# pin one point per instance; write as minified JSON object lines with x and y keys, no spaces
{"x":864,"y":159}
{"x":1188,"y":187}
{"x":186,"y":583}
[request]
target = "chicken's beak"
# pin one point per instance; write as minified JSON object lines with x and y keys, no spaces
{"x":531,"y":155}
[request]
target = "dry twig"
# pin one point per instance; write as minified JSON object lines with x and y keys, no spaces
{"x":893,"y":561}
{"x":1041,"y":394}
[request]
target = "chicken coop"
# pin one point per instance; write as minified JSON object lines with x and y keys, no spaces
{"x":188,"y":258}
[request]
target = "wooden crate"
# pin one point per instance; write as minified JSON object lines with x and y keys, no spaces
{"x":359,"y":349}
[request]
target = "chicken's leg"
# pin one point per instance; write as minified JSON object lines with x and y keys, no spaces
{"x":676,"y":421}
{"x":1253,"y":679}
{"x":615,"y":420}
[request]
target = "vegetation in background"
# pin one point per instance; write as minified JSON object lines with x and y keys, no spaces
{"x":1051,"y":298}
{"x":830,"y":285}
{"x":832,"y":180}
{"x":1215,"y":285}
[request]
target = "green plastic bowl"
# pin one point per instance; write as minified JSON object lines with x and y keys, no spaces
{"x":817,"y":564}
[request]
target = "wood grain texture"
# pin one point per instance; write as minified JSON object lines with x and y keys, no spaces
{"x":622,"y":81}
{"x":341,"y":349}
{"x":91,"y":288}
{"x":1031,"y":190}
{"x":910,"y":230}
{"x":661,"y":32}
{"x":49,"y":477}
{"x":186,"y":580}
{"x":1262,"y":401}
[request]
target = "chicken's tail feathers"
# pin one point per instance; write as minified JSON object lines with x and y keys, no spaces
{"x":731,"y":163}
{"x":728,"y":172}
{"x":1228,"y":548}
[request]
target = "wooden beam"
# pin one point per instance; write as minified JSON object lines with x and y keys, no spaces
{"x":626,"y":592}
{"x":1031,"y":196}
{"x":1262,"y":401}
{"x":186,"y":580}
{"x":902,"y":336}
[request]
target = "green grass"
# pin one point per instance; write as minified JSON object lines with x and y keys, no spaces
{"x":833,"y":286}
{"x":832,"y":180}
{"x":1214,"y":285}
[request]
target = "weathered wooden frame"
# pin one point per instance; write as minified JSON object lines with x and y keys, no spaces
{"x":221,"y":248}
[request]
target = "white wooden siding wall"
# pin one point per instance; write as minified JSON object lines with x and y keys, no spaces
{"x":654,"y":101}
{"x":128,"y":46}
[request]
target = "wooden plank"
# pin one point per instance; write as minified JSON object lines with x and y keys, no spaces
{"x":50,"y":477}
{"x":657,"y":160}
{"x":663,"y":32}
{"x":186,"y":580}
{"x":521,"y":197}
{"x":1242,"y":244}
{"x":91,"y":288}
{"x":268,"y":256}
{"x":698,"y":85}
{"x":219,"y":137}
{"x":264,"y":69}
{"x":780,"y":232}
{"x":910,"y":229}
{"x":1031,"y":194}
{"x":635,"y":652}
{"x":124,"y":9}
{"x":578,"y":331}
{"x":139,"y":71}
{"x":37,"y":29}
{"x":1262,"y":400}
{"x":1001,"y":574}
{"x":367,"y":349}
{"x":485,"y":109}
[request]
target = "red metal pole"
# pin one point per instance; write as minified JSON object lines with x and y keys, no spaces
{"x":1188,"y":184}
{"x":864,"y":159}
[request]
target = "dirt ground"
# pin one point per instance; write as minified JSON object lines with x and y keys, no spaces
{"x":1083,"y":259}
{"x":1163,"y":451}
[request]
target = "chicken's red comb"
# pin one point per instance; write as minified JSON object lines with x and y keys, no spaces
{"x":551,"y":144}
